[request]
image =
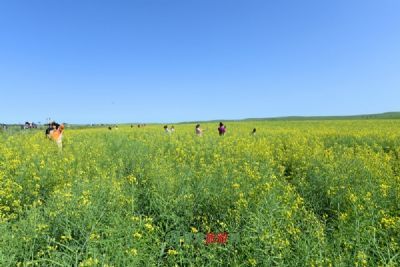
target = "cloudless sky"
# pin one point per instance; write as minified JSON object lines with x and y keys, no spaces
{"x":118,"y":61}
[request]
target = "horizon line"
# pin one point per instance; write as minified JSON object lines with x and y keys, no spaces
{"x":292,"y":117}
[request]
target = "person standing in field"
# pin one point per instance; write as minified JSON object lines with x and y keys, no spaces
{"x":48,"y":130}
{"x":221,"y":129}
{"x":57,"y":135}
{"x":199,"y":131}
{"x":51,"y":127}
{"x":254,"y":132}
{"x":166,"y":129}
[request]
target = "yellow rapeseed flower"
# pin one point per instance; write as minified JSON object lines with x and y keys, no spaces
{"x":172,"y":252}
{"x":149,"y":227}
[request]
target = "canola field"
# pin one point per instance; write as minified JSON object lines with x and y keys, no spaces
{"x":305,"y":193}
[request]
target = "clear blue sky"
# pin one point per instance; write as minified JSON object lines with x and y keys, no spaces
{"x":169,"y":61}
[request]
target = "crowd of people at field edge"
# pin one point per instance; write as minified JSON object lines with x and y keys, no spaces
{"x":54,"y":132}
{"x":199,"y":132}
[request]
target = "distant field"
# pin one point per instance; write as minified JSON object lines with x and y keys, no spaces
{"x":299,"y":193}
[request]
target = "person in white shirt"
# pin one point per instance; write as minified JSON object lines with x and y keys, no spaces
{"x":166,"y":129}
{"x":199,"y":131}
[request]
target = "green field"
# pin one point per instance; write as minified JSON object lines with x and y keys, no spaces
{"x":299,"y":193}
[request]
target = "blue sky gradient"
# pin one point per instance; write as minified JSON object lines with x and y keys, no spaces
{"x":170,"y":61}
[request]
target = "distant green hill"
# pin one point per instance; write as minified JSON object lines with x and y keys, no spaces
{"x":386,"y":115}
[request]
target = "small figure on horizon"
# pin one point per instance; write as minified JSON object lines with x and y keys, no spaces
{"x":254,"y":132}
{"x":221,"y":129}
{"x":199,"y":131}
{"x":166,"y":129}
